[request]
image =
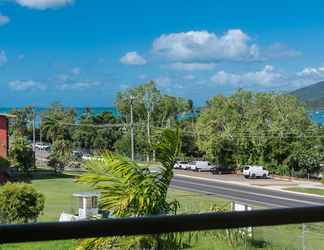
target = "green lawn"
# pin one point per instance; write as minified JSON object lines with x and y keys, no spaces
{"x":317,"y":191}
{"x":58,"y":194}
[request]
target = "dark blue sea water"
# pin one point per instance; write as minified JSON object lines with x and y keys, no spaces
{"x":316,"y":116}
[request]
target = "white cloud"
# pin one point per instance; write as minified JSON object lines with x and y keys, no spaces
{"x":133,"y":58}
{"x":312,"y":72}
{"x":192,"y":66}
{"x":44,"y":4}
{"x":206,"y":46}
{"x":82,"y":85}
{"x":266,"y":77}
{"x":3,"y":58}
{"x":4,"y":20}
{"x":76,"y":71}
{"x":26,"y":85}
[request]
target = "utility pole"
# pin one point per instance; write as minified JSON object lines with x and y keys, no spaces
{"x":132,"y":126}
{"x":34,"y":139}
{"x":40,"y":130}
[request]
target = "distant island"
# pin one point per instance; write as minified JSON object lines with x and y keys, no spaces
{"x":312,"y":96}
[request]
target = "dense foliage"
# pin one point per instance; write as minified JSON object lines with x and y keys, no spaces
{"x":61,"y":154}
{"x":258,"y":128}
{"x":151,"y":109}
{"x":22,"y":124}
{"x":21,"y":154}
{"x":128,"y":189}
{"x":20,"y":203}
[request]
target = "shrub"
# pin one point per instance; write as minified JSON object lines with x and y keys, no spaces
{"x":20,"y":203}
{"x":21,"y":154}
{"x":4,"y":164}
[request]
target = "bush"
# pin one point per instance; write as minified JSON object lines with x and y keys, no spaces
{"x":4,"y":164}
{"x":21,"y":154}
{"x":20,"y":203}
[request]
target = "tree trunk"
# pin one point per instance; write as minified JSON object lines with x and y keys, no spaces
{"x":148,"y":135}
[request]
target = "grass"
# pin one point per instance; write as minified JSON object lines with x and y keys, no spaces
{"x":317,"y":191}
{"x":58,"y":194}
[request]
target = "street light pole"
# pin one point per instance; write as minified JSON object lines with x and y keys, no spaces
{"x":34,"y":140}
{"x":40,"y":130}
{"x":132,"y":126}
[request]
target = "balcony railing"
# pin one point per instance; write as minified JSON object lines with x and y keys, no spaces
{"x":158,"y":224}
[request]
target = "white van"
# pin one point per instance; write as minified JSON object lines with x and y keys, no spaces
{"x":255,"y":171}
{"x":200,"y":166}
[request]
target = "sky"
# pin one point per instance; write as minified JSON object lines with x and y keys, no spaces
{"x":82,"y":52}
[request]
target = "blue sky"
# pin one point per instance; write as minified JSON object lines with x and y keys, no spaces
{"x":82,"y":52}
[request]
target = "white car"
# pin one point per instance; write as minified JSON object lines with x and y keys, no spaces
{"x":88,"y":157}
{"x":255,"y":171}
{"x":42,"y":146}
{"x":181,"y":165}
{"x":200,"y":166}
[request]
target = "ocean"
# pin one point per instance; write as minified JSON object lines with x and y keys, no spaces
{"x":316,"y":116}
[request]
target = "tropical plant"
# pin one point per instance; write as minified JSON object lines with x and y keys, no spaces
{"x":22,"y":123}
{"x":56,"y":122}
{"x":20,"y":203}
{"x":129,"y":189}
{"x":151,"y":109}
{"x":60,"y":155}
{"x":21,"y":154}
{"x":253,"y":128}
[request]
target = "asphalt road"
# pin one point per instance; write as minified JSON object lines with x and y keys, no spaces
{"x":253,"y":196}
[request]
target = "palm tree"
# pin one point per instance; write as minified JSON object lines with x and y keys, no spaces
{"x":129,"y":189}
{"x":52,"y":128}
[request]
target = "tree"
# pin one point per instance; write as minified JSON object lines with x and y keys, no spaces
{"x":128,"y":189}
{"x":96,"y":132}
{"x":252,"y":128}
{"x":60,"y":155}
{"x":21,"y":123}
{"x":20,"y":203}
{"x":151,"y":109}
{"x":21,"y":154}
{"x":56,"y":122}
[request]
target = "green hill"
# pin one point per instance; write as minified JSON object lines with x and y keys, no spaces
{"x":312,"y":96}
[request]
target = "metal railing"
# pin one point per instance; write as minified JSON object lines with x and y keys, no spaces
{"x":158,"y":224}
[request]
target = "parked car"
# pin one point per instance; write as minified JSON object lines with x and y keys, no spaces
{"x":86,"y":157}
{"x":255,"y":171}
{"x":200,"y":166}
{"x":42,"y":146}
{"x":181,"y":165}
{"x":222,"y":170}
